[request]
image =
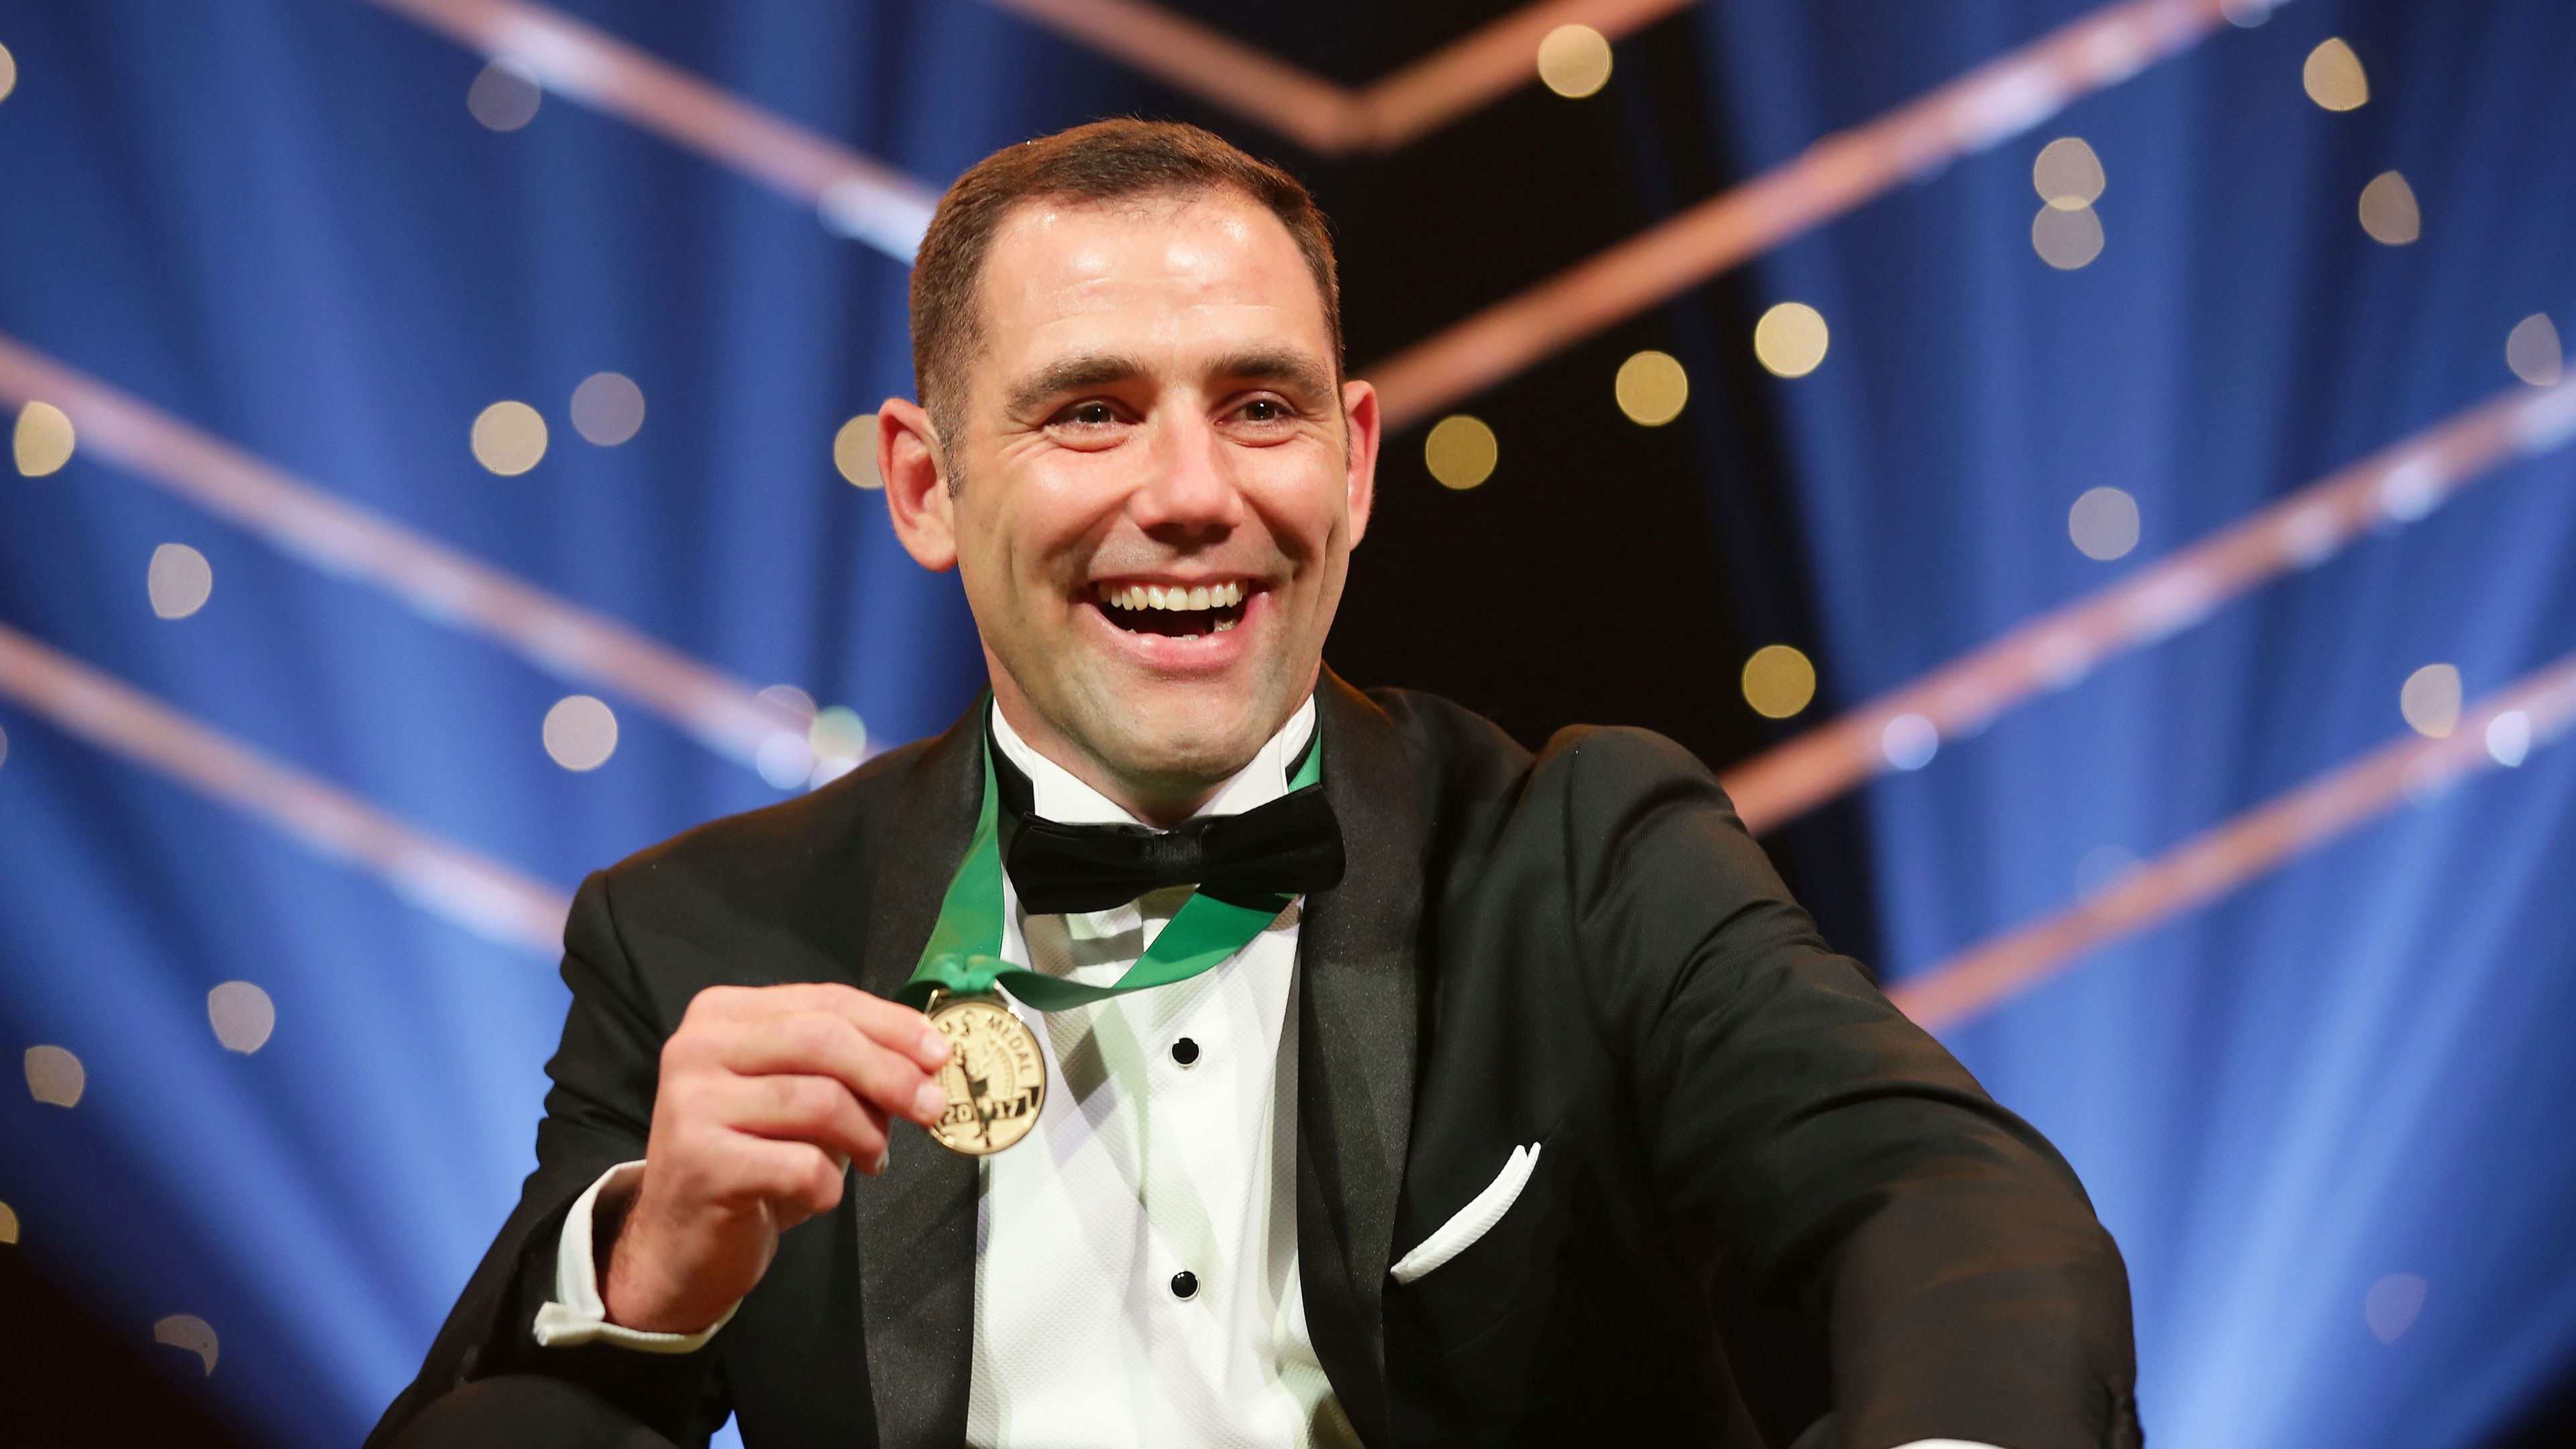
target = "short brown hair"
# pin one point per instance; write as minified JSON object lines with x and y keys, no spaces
{"x":1104,"y":161}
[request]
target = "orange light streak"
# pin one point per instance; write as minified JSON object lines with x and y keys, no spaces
{"x":338,"y":537}
{"x":858,"y":195}
{"x":1323,"y":117}
{"x":2254,"y":843}
{"x":484,"y":896}
{"x":2391,"y":487}
{"x":1999,"y":99}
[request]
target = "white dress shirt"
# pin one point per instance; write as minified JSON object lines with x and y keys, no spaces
{"x":1141,"y":1167}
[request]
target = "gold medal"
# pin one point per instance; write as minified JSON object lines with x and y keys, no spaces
{"x":995,"y":1078}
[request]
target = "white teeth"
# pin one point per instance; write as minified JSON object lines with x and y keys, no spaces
{"x":1193,"y":598}
{"x":1224,"y":624}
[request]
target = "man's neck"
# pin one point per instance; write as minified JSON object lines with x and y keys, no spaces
{"x":1163,"y":804}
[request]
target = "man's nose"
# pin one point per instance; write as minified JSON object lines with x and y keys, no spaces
{"x":1192,"y":490}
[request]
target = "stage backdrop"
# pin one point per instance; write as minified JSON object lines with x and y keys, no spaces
{"x":425,"y":493}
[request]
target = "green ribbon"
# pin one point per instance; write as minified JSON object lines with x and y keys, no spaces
{"x":964,"y":956}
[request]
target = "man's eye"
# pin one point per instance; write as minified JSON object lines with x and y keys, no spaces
{"x":1090,"y":415}
{"x":1263,"y":410}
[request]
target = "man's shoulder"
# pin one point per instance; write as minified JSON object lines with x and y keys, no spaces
{"x":1466,"y":754}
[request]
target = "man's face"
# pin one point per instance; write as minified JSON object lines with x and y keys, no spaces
{"x":1158,"y":485}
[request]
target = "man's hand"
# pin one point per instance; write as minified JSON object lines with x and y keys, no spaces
{"x":767,"y":1095}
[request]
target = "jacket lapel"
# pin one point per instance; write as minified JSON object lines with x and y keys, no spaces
{"x":1356,"y":1046}
{"x":916,"y":1220}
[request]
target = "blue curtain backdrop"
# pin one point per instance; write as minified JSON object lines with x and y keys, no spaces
{"x":278,"y":222}
{"x":2353,"y":1069}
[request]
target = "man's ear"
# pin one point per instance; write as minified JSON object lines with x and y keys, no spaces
{"x":916,"y":490}
{"x":1359,"y":415}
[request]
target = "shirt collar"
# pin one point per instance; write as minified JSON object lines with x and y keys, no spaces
{"x":1056,"y":795}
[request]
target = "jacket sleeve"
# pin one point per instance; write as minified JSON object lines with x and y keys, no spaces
{"x":605,"y":1072}
{"x":1866,"y":1193}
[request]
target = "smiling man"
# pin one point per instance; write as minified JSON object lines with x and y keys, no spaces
{"x":1300,"y":1065}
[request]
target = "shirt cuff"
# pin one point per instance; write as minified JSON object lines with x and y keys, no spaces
{"x":578,"y":1315}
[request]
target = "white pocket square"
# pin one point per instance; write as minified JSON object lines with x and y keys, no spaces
{"x":1472,"y":1221}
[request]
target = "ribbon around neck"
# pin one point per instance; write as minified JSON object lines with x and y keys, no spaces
{"x":964,"y":955}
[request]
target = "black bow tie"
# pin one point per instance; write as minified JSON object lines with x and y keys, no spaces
{"x":1289,"y":847}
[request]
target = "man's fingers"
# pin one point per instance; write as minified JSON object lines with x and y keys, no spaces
{"x":816,"y":1043}
{"x":897,"y":1026}
{"x":800,"y":1176}
{"x":816,"y":1110}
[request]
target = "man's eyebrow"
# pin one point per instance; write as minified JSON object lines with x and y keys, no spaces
{"x":1280,"y":366}
{"x":1070,"y":374}
{"x":1294,"y":370}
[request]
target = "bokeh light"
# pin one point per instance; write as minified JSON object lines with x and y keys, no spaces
{"x":2430,"y":700}
{"x":581,"y":732}
{"x":2393,"y":1304}
{"x":1461,"y":451}
{"x":2532,"y":350}
{"x":1778,"y":681}
{"x":8,"y":74}
{"x":2246,"y":14}
{"x":2509,"y":738}
{"x":2333,"y":76}
{"x":1791,"y":339}
{"x":4,"y":747}
{"x":608,"y":408}
{"x":788,"y":697}
{"x":509,"y":438}
{"x":837,"y":731}
{"x":243,"y":1016}
{"x":179,"y":581}
{"x":8,"y":1224}
{"x":2103,"y":523}
{"x":2066,"y":239}
{"x":854,"y":451}
{"x":838,"y":739}
{"x":505,"y":95}
{"x":1652,"y":388}
{"x":43,"y":440}
{"x":1574,"y":61}
{"x":55,"y":1077}
{"x":187,"y":1331}
{"x":2067,"y":174}
{"x":1909,"y":741}
{"x":2388,"y":210}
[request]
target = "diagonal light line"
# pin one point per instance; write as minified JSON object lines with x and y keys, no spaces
{"x":1488,"y":64}
{"x":1999,"y":99}
{"x":2390,"y":488}
{"x":1326,"y":118}
{"x":1307,"y":109}
{"x":2209,"y":866}
{"x":858,"y":195}
{"x":484,"y":896}
{"x":561,"y":638}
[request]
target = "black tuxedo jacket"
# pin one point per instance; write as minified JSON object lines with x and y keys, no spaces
{"x":1767,"y":1206}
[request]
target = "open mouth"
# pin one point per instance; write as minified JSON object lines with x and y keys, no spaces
{"x":1175,"y":611}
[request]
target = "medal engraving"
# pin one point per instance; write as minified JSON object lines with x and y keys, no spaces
{"x":995,"y":1078}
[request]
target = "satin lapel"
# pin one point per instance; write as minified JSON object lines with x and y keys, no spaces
{"x":916,"y":1221}
{"x":1356,"y":1047}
